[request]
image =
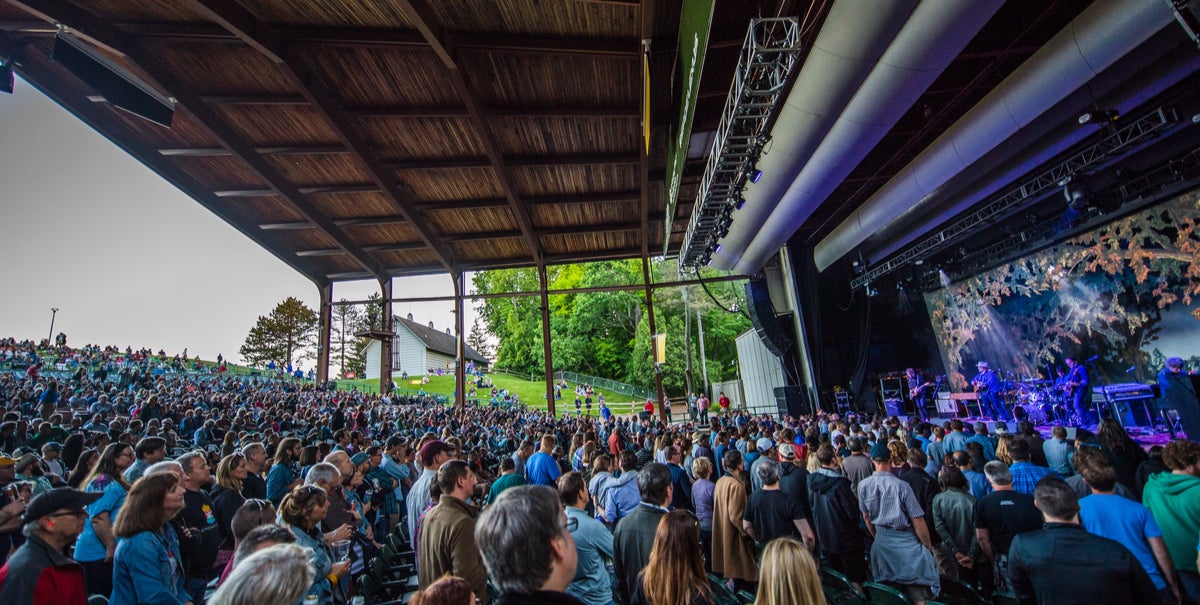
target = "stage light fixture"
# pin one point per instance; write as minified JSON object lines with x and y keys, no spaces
{"x":1100,"y":116}
{"x":739,"y":201}
{"x":7,"y":80}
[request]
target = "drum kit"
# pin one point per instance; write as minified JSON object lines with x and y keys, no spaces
{"x":1037,"y":401}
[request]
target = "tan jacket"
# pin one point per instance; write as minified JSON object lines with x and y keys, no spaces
{"x":447,"y":546}
{"x":731,"y":554}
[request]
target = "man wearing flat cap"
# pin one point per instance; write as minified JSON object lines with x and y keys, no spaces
{"x":431,"y":457}
{"x":987,"y":384}
{"x":39,"y":572}
{"x":902,"y":552}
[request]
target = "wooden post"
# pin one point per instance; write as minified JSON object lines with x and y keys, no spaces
{"x":460,"y":360}
{"x":385,"y":348}
{"x":548,"y":365}
{"x":326,"y":314}
{"x":658,"y":385}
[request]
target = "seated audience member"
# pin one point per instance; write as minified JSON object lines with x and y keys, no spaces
{"x":1063,"y":563}
{"x":526,"y":547}
{"x":447,"y":591}
{"x":301,"y":510}
{"x":788,"y":575}
{"x":254,"y":539}
{"x":279,"y":574}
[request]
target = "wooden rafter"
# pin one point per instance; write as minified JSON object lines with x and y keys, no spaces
{"x":263,"y":37}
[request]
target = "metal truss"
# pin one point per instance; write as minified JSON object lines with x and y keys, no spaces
{"x":769,"y":56}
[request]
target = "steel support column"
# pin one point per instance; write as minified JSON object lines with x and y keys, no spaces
{"x":460,"y":348}
{"x":547,"y":361}
{"x":326,"y":291}
{"x":658,"y":385}
{"x":803,"y":353}
{"x":385,"y":348}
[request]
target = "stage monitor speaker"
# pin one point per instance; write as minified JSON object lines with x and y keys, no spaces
{"x":762,"y":315}
{"x":894,"y":407}
{"x":791,"y":401}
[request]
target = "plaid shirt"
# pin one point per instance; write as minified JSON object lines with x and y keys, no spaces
{"x":382,"y":478}
{"x":1026,"y":475}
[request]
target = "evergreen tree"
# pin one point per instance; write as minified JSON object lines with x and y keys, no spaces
{"x":287,"y":335}
{"x":345,"y":348}
{"x":477,"y":338}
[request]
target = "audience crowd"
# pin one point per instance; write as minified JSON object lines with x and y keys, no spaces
{"x":187,"y":488}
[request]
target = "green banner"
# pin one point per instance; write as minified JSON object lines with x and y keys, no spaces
{"x":693,"y":42}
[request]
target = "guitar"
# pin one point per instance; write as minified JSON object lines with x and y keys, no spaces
{"x":913,"y":392}
{"x":1069,"y":388}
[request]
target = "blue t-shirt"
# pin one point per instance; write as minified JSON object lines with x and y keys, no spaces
{"x":542,"y":469}
{"x":88,"y":547}
{"x":1125,"y":521}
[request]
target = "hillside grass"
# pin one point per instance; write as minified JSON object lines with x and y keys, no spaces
{"x":532,"y":393}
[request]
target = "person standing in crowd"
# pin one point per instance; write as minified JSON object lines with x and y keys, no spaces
{"x":953,"y":513}
{"x":836,"y":517}
{"x":772,"y":513}
{"x":97,"y":545}
{"x":542,"y":469}
{"x":283,"y":477}
{"x":674,"y":572}
{"x":278,"y":574}
{"x":901,"y":552}
{"x":1174,"y":500}
{"x":857,"y":466}
{"x":999,"y":517}
{"x":1025,"y":474}
{"x":447,"y":541}
{"x":621,"y":494}
{"x":593,"y":544}
{"x":634,"y":535}
{"x":1179,"y":394}
{"x":1063,"y":563}
{"x":731,"y":554}
{"x":300,"y":511}
{"x":1110,"y":516}
{"x":702,"y":503}
{"x":254,"y":487}
{"x":226,"y":500}
{"x":1058,"y":452}
{"x":681,"y":485}
{"x":41,"y":571}
{"x":197,"y":527}
{"x":147,"y":566}
{"x":789,"y":575}
{"x":528,"y":551}
{"x":431,"y":456}
{"x":508,"y":478}
{"x":149,"y":450}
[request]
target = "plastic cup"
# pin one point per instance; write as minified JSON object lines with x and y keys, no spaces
{"x":341,"y":551}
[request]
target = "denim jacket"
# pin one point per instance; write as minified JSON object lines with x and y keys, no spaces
{"x":321,"y":557}
{"x":147,"y":570}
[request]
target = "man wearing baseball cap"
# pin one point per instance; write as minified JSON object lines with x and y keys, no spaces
{"x":40,"y":572}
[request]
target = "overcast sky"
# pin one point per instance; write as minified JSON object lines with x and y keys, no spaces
{"x":127,"y":258}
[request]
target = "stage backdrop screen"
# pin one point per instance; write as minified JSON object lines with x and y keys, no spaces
{"x":1127,"y":292}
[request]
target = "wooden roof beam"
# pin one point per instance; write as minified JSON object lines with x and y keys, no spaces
{"x":371,"y":221}
{"x":269,"y":41}
{"x":205,"y":152}
{"x":518,"y":161}
{"x":503,"y":112}
{"x":420,"y":14}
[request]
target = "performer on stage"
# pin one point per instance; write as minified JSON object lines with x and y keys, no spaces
{"x":1178,"y":393}
{"x":919,"y":392}
{"x":987,"y":384}
{"x":1078,"y":391}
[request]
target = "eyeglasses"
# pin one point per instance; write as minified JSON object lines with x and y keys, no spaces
{"x":258,"y":504}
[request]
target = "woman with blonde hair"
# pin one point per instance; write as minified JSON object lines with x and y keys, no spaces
{"x":1002,"y":444}
{"x":300,"y":511}
{"x":788,"y":575}
{"x":227,"y":499}
{"x":674,"y":574}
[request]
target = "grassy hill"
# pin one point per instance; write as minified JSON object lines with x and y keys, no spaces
{"x":532,"y":393}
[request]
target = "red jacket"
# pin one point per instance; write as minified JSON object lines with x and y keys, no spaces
{"x":37,"y":574}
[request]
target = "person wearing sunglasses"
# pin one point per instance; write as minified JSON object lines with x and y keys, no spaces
{"x":40,"y":571}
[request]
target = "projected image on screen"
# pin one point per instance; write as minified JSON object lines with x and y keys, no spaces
{"x":1127,"y":292}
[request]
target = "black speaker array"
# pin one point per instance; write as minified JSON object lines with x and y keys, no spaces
{"x":762,"y":314}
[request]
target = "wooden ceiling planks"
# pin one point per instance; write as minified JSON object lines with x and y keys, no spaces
{"x":318,"y":13}
{"x":544,"y":17}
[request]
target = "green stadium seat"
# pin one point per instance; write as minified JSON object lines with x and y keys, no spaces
{"x":880,"y":594}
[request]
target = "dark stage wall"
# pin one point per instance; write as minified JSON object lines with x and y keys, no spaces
{"x":1128,"y":292}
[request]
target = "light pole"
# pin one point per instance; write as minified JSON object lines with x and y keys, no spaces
{"x":53,"y":312}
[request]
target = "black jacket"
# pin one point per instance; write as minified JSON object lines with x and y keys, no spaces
{"x":924,"y":487}
{"x":1063,"y":563}
{"x":541,"y":597}
{"x":793,"y":481}
{"x":835,"y":513}
{"x":632,"y":541}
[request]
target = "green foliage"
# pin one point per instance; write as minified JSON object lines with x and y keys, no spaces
{"x":346,"y":351}
{"x":285,"y":336}
{"x":607,"y":334}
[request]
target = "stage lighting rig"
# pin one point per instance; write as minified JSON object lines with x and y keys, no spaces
{"x":1099,"y":116}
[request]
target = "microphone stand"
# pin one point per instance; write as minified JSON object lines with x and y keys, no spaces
{"x":1090,"y":363}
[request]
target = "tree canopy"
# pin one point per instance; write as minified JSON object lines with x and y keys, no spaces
{"x":607,"y":334}
{"x":286,"y":336}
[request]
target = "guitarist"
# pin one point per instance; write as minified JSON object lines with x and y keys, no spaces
{"x":1078,"y":391}
{"x":987,"y":385}
{"x":919,"y":391}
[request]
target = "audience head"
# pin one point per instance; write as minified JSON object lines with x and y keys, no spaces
{"x":572,"y":490}
{"x":654,"y":483}
{"x":675,"y":569}
{"x":279,"y":574}
{"x":732,"y":461}
{"x":1056,"y":500}
{"x":997,"y":474}
{"x":701,"y":467}
{"x":251,"y":514}
{"x":788,"y":575}
{"x":304,"y":506}
{"x":456,"y":479}
{"x":524,"y":541}
{"x":152,"y":502}
{"x":1182,"y":457}
{"x":768,"y":472}
{"x":1018,"y":450}
{"x":952,"y":478}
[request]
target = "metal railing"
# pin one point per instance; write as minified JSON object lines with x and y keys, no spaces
{"x":606,"y":384}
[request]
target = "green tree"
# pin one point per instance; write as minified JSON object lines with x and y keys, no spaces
{"x":285,"y":336}
{"x":344,"y":346}
{"x":477,"y":338}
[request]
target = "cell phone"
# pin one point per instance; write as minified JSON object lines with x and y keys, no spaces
{"x":12,"y":491}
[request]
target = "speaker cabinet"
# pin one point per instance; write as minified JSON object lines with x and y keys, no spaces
{"x":762,"y":314}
